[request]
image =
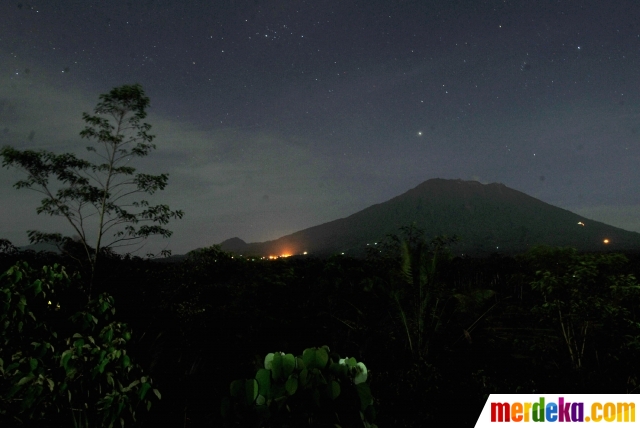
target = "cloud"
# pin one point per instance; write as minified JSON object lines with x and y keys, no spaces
{"x":218,"y":177}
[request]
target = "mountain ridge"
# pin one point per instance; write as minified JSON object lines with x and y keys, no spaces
{"x":488,"y":217}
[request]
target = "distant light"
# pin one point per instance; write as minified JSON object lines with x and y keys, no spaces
{"x":419,"y":133}
{"x":342,"y":254}
{"x":581,"y":223}
{"x":606,"y":241}
{"x":304,"y":252}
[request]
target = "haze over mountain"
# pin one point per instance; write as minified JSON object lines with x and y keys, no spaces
{"x":488,"y":218}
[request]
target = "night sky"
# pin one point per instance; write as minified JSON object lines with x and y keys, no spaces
{"x":272,"y":116}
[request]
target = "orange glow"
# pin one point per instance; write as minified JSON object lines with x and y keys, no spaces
{"x":285,"y":255}
{"x":606,"y":241}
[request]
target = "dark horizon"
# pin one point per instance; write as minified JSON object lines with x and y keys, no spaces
{"x":487,"y":219}
{"x":272,"y":118}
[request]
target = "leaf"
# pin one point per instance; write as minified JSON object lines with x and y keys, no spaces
{"x":143,"y":390}
{"x":304,"y":377}
{"x":309,"y":356}
{"x":364,"y":392}
{"x":155,"y":391}
{"x":132,"y":384}
{"x":334,"y":389}
{"x":291,"y":386}
{"x":102,"y":365}
{"x":251,"y":390}
{"x":276,"y":366}
{"x":33,"y":363}
{"x":339,"y":370}
{"x":78,"y":344}
{"x":268,"y":359}
{"x":37,"y":286}
{"x":288,"y":364}
{"x":64,"y":359}
{"x":322,"y":358}
{"x":25,"y":380}
{"x":236,"y":387}
{"x":263,"y":376}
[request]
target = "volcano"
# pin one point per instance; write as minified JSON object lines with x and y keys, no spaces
{"x":488,"y":218}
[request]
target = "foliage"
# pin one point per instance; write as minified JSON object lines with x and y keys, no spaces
{"x":118,"y":130}
{"x":424,"y":301}
{"x":52,"y":366}
{"x":585,"y":297}
{"x":6,"y":247}
{"x":479,"y":342}
{"x":315,"y":389}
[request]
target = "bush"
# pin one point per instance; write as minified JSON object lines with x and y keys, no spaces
{"x":315,"y":389}
{"x":84,"y":374}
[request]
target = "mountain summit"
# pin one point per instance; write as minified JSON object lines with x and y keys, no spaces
{"x":488,"y":218}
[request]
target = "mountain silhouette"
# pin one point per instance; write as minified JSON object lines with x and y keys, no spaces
{"x":488,"y":218}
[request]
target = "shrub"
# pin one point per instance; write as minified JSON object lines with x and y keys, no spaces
{"x":315,"y":389}
{"x":83,"y":375}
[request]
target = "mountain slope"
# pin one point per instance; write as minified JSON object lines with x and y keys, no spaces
{"x":488,"y":218}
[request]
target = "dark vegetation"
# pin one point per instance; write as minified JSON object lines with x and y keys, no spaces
{"x":437,"y":333}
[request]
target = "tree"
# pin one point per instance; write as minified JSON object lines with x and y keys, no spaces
{"x":584,"y":298}
{"x":92,"y":194}
{"x":63,"y":363}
